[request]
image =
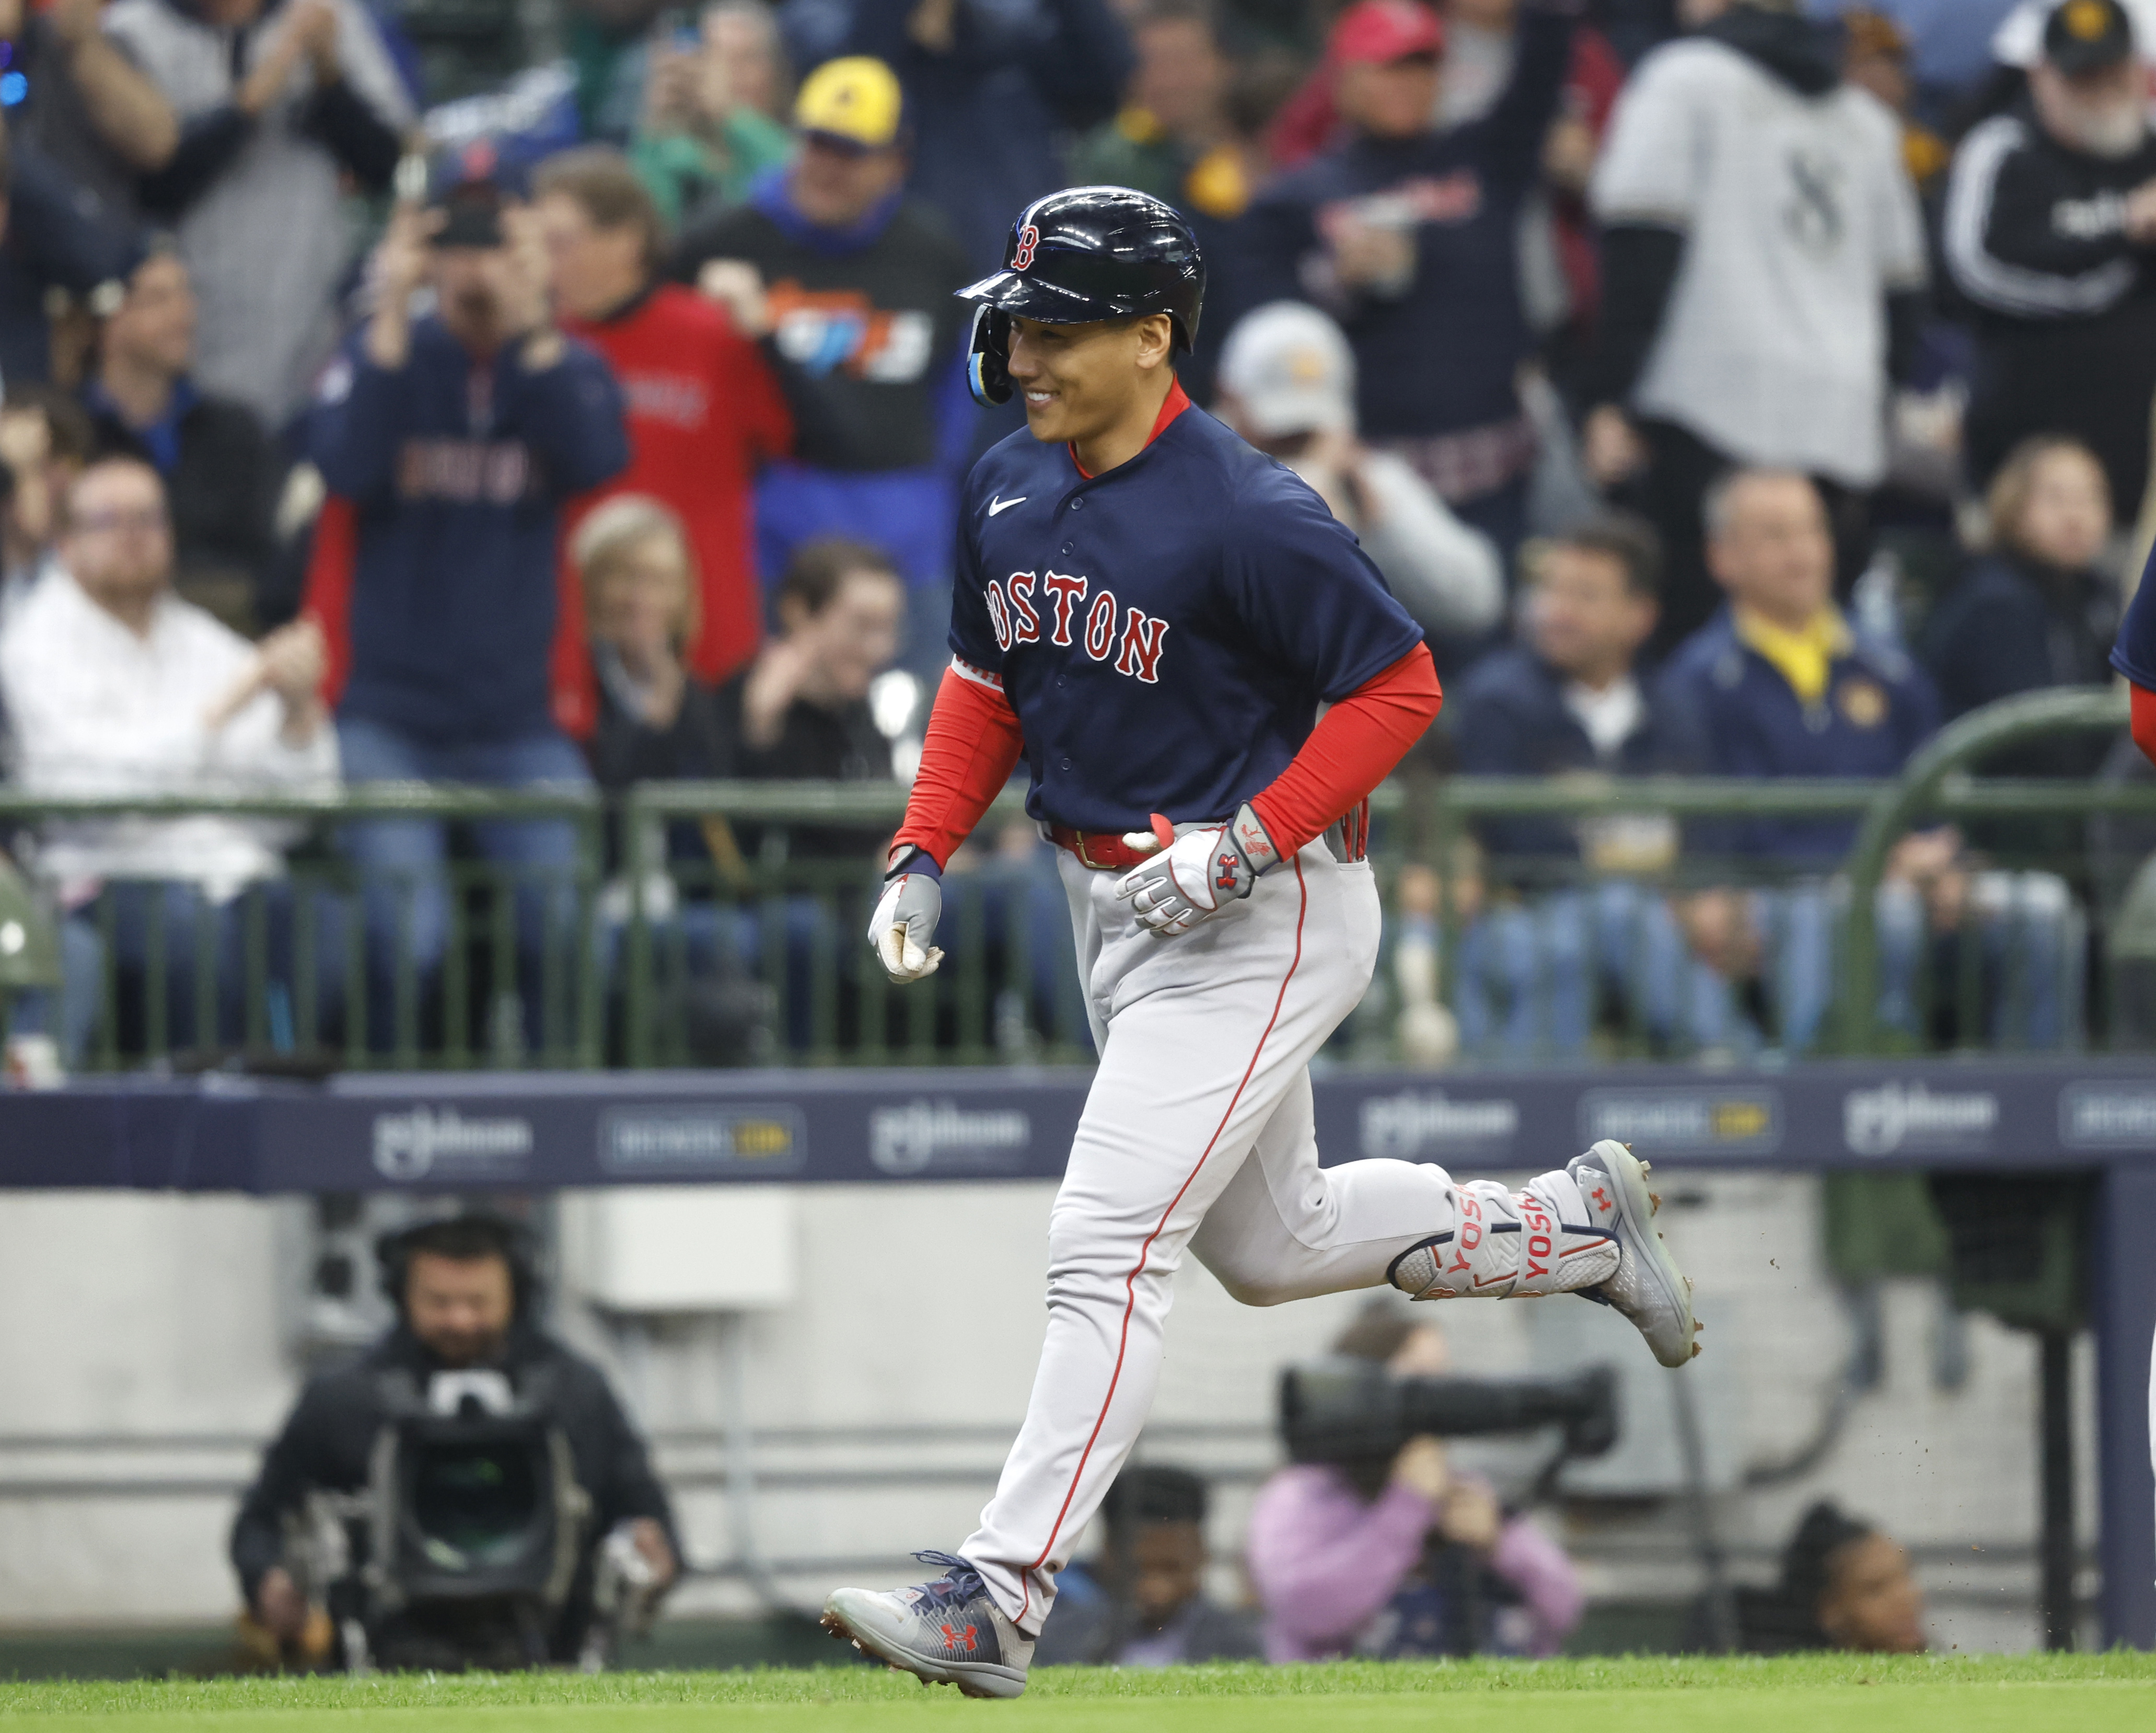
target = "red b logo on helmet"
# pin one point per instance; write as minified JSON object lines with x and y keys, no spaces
{"x":1028,"y":238}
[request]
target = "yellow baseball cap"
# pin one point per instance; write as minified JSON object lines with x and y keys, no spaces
{"x":855,"y":99}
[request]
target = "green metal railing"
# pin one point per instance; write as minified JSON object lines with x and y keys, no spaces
{"x":721,"y":922}
{"x":1936,"y":787}
{"x":194,"y":980}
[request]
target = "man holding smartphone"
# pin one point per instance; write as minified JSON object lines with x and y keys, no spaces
{"x":451,"y":441}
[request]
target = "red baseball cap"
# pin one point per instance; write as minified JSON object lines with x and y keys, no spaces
{"x":1377,"y":32}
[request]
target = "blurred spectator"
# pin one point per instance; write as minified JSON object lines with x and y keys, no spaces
{"x":1171,"y":137}
{"x":2017,"y":42}
{"x":45,"y":439}
{"x":1410,"y":236}
{"x":60,"y":248}
{"x":745,"y":36}
{"x":704,"y":410}
{"x":1875,"y":57}
{"x":275,"y":107}
{"x":1586,"y":922}
{"x":798,"y":712}
{"x":1636,"y":26}
{"x":452,"y":441}
{"x":1763,"y":276}
{"x":1287,"y":385}
{"x":2051,"y":218}
{"x":708,"y":129}
{"x":220,"y":470}
{"x":991,"y":88}
{"x":850,"y":285}
{"x":85,"y":106}
{"x":658,"y":721}
{"x":1140,"y":1601}
{"x":1845,"y":1584}
{"x":1406,"y":1556}
{"x":2039,"y":609}
{"x":613,"y":44}
{"x":1778,"y":684}
{"x":1560,"y":273}
{"x":113,"y":684}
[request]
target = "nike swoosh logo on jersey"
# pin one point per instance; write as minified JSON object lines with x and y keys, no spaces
{"x":1004,"y":505}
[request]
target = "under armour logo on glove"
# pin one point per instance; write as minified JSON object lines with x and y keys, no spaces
{"x":1195,"y":875}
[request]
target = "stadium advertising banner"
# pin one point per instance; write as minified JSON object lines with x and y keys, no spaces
{"x":540,"y":1130}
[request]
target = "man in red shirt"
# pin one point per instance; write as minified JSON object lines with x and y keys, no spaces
{"x":704,"y":410}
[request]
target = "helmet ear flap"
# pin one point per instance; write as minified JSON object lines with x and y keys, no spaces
{"x":988,"y":368}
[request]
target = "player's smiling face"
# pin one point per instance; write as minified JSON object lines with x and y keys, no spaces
{"x":1077,"y":382}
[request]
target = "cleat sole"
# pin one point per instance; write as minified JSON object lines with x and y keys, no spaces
{"x":1655,"y":1263}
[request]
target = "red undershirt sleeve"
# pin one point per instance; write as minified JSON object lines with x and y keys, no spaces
{"x":2144,"y":721}
{"x":1354,"y":748}
{"x":971,"y":749}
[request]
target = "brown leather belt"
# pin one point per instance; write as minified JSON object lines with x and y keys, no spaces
{"x":1103,"y":851}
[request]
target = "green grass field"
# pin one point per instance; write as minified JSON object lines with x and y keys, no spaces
{"x":2071,"y":1694}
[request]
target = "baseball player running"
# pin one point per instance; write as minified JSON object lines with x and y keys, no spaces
{"x":1150,"y":613}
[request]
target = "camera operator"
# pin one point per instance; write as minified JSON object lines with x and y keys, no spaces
{"x":1402,"y":1555}
{"x":465,"y":1292}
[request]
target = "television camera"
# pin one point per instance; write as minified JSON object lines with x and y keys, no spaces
{"x":466,"y":1545}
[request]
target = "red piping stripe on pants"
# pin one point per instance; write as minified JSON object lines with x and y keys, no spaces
{"x":1130,"y":1281}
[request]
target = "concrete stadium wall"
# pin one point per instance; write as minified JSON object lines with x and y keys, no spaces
{"x":163,"y":1319}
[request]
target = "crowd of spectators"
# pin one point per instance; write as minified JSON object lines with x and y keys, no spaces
{"x":1743,"y":387}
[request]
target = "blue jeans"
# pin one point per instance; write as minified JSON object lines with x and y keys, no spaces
{"x":1531,"y":974}
{"x":402,"y":862}
{"x":1007,"y":916}
{"x":696,"y":941}
{"x":165,"y":924}
{"x":2028,"y":958}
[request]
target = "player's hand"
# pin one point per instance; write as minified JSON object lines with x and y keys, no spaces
{"x":902,"y":931}
{"x":1195,"y":875}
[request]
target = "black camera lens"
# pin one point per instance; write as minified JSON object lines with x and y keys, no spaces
{"x":474,"y":1504}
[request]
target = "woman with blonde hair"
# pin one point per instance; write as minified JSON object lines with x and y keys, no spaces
{"x":2039,"y":607}
{"x":656,"y":720}
{"x":798,"y":712}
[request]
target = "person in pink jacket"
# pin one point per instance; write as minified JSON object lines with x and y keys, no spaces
{"x":1405,"y":1558}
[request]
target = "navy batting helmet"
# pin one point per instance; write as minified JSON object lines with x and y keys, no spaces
{"x":1083,"y":253}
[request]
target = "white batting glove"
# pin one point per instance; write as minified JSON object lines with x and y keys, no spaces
{"x":903,"y":929}
{"x":1197,"y":874}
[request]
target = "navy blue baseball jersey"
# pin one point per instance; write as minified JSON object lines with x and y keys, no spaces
{"x":2134,"y":654}
{"x":1165,"y":632}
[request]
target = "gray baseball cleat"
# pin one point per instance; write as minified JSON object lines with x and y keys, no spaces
{"x":947,"y":1632}
{"x":1649,"y":1288}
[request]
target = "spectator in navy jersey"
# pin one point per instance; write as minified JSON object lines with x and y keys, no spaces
{"x":451,"y":442}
